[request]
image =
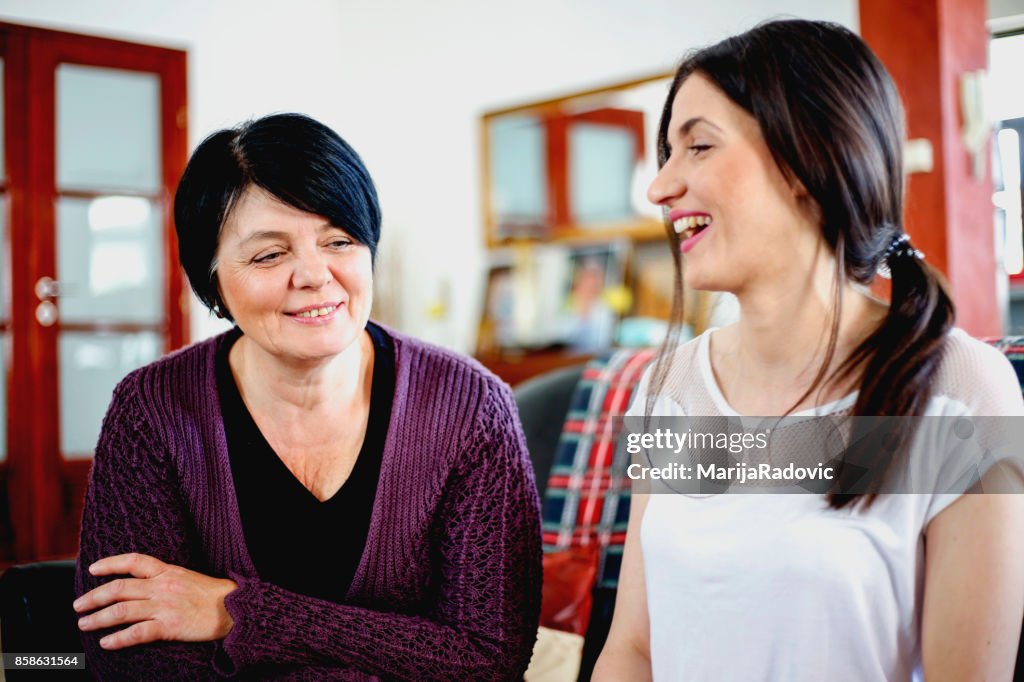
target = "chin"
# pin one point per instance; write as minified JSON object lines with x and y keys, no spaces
{"x":328,"y":342}
{"x":701,"y":281}
{"x":310,"y":352}
{"x":704,"y":276}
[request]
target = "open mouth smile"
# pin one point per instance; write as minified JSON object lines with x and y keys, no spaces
{"x":690,"y":227}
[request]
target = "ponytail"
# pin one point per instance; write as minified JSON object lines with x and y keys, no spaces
{"x":900,"y":360}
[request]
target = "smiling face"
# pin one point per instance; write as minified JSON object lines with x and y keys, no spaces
{"x":738,"y":218}
{"x":297,"y":286}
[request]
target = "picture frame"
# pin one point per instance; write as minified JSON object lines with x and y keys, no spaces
{"x":594,"y":295}
{"x":497,"y":322}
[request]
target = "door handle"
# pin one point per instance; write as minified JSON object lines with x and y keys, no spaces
{"x":47,"y":288}
{"x":46,"y":313}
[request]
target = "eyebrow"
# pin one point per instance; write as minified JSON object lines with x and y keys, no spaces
{"x":688,"y":126}
{"x":274,"y":234}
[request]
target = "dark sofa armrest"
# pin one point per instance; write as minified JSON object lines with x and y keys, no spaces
{"x":36,"y":616}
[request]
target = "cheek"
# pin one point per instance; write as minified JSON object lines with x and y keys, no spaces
{"x":250,"y":289}
{"x":739,"y":184}
{"x":355,"y":274}
{"x":754,"y":204}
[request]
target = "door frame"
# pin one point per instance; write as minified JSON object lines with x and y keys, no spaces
{"x":46,"y":490}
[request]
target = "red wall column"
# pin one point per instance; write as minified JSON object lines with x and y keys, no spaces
{"x":927,"y":45}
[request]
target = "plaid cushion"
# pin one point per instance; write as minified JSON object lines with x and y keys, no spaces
{"x":1013,"y":348}
{"x":587,"y":498}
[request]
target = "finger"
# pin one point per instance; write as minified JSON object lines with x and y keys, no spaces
{"x":133,"y":563}
{"x":123,"y":589}
{"x":118,"y":614}
{"x":140,"y":633}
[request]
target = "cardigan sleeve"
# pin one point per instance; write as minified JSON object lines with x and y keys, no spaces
{"x":483,"y":621}
{"x":132,"y":504}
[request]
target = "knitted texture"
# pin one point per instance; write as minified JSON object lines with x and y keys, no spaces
{"x":448,"y":586}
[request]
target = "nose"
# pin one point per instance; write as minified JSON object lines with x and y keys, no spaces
{"x":311,"y":271}
{"x":667,"y":186}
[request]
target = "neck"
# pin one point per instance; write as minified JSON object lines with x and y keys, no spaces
{"x":270,"y":382}
{"x":784,"y":327}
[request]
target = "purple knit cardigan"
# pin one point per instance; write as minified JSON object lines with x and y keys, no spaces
{"x":448,"y":586}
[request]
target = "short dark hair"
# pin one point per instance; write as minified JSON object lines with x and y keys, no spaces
{"x":293,"y":157}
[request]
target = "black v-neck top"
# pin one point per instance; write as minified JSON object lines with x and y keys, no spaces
{"x":296,"y":541}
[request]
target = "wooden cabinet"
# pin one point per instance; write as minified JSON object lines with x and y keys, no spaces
{"x":515,"y":369}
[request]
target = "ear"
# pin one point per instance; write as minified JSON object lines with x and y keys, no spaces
{"x":806,"y":202}
{"x":800,"y":192}
{"x":219,"y":308}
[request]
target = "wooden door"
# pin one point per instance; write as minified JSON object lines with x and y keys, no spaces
{"x":94,"y":143}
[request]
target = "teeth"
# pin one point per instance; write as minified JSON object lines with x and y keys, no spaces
{"x":690,"y":223}
{"x":317,"y":312}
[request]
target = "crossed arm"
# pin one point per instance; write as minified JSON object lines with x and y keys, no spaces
{"x":182,"y":621}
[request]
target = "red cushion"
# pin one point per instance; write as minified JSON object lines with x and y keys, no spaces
{"x":567,"y":595}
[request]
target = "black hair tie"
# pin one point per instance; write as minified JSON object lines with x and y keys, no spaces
{"x":900,"y":247}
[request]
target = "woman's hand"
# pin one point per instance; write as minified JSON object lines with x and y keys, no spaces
{"x":163,"y":602}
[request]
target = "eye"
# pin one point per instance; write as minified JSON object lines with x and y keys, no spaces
{"x":269,"y":258}
{"x":698,"y":149}
{"x":340,"y":243}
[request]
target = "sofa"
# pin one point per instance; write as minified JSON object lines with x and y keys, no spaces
{"x":36,"y":615}
{"x":567,"y":419}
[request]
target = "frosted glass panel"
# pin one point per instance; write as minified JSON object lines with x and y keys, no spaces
{"x":519,"y":189}
{"x":109,"y":260}
{"x":108,"y":129}
{"x":601,"y":164}
{"x":91,"y":365}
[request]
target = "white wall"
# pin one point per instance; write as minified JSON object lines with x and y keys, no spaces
{"x":405,"y":83}
{"x":998,"y":9}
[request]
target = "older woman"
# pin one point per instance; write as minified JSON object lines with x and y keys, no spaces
{"x":781,"y":176}
{"x":310,"y":494}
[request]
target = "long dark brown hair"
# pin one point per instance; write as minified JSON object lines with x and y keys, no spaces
{"x":832,"y":119}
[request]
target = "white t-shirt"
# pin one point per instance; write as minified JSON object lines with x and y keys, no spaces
{"x":781,"y":587}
